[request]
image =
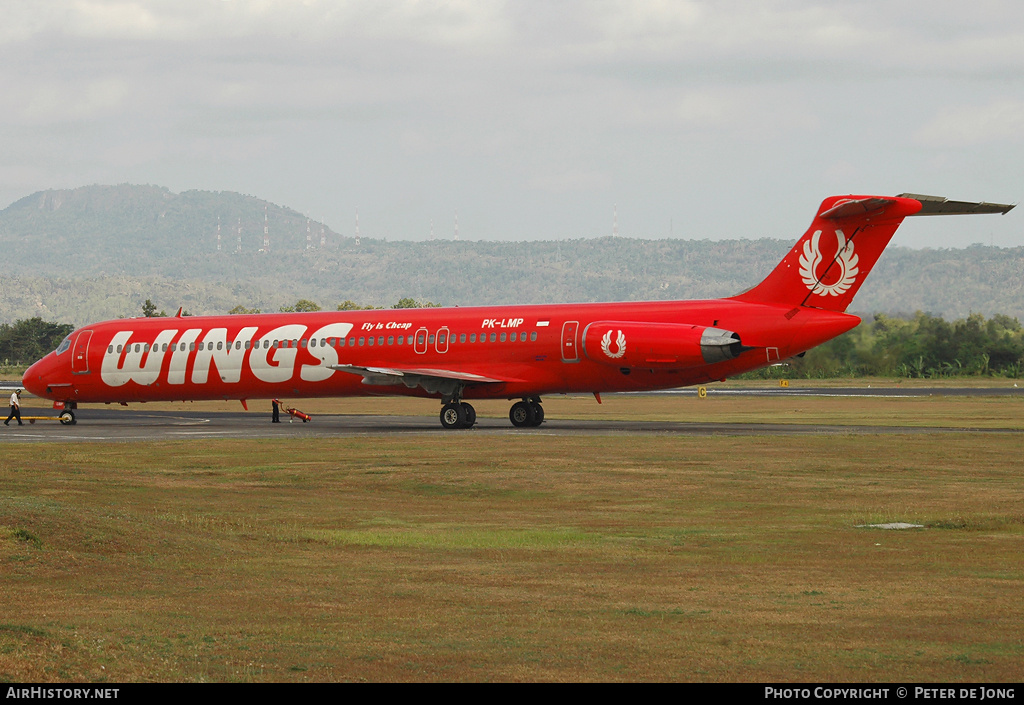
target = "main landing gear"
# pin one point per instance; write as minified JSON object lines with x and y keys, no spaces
{"x":526,"y":413}
{"x":523,"y":414}
{"x":458,"y":414}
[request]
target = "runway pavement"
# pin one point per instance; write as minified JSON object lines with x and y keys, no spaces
{"x":118,"y":424}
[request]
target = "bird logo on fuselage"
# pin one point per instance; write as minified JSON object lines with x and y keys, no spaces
{"x":620,"y":345}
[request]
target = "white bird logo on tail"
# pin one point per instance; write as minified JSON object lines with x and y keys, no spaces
{"x":812,"y":258}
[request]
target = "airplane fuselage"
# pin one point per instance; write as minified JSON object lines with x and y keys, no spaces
{"x":532,"y":350}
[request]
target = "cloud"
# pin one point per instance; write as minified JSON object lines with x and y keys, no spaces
{"x":968,"y":125}
{"x":53,"y":103}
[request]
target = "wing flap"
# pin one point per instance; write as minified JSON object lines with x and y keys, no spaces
{"x":435,"y":381}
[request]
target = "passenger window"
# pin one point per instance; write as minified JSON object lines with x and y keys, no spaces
{"x":191,"y":347}
{"x":420,"y":339}
{"x":351,"y":342}
{"x":312,"y":342}
{"x":119,"y":348}
{"x":533,"y":336}
{"x":163,"y":348}
{"x":503,"y":337}
{"x":110,"y":349}
{"x":430,"y":340}
{"x":494,"y":336}
{"x":370,"y":340}
{"x":472,"y":338}
{"x":391,"y":340}
{"x":220,"y":345}
{"x":401,"y":340}
{"x":440,"y":339}
{"x":462,"y":338}
{"x":361,"y":341}
{"x":302,"y":344}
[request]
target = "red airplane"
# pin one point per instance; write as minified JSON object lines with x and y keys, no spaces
{"x":495,"y":352}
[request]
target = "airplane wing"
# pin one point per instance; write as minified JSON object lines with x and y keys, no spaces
{"x":445,"y":382}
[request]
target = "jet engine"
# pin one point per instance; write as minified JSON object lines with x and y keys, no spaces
{"x":658,"y":345}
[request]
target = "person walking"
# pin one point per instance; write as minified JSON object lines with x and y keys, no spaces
{"x":276,"y":417}
{"x":15,"y":409}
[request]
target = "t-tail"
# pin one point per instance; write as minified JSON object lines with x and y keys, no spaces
{"x":827,"y":266}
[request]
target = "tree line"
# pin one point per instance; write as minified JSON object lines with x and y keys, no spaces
{"x":924,"y":346}
{"x":25,"y":341}
{"x":307,"y":306}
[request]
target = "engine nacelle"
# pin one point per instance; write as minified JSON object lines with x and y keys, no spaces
{"x":658,"y":345}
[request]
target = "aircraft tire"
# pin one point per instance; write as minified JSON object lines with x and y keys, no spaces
{"x":453,"y":416}
{"x":67,"y":418}
{"x":538,"y":413}
{"x":470,"y":415}
{"x":522,"y":414}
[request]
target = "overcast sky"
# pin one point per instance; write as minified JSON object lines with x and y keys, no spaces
{"x":529,"y":119}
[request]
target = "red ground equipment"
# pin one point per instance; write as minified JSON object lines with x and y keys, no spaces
{"x":296,"y":414}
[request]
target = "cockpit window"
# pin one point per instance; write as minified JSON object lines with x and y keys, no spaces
{"x":64,"y":345}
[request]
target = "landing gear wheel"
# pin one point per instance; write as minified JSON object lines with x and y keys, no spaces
{"x":470,"y":415}
{"x":67,"y":418}
{"x":522,"y":414}
{"x":453,"y":416}
{"x":538,"y":413}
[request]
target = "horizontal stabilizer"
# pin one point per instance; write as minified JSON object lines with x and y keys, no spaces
{"x":937,"y":205}
{"x":857,"y":207}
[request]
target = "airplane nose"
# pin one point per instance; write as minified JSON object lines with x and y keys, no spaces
{"x":38,"y":377}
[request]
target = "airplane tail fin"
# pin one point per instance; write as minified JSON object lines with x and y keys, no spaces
{"x":827,"y":266}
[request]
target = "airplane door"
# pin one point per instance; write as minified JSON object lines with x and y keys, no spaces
{"x":442,"y":339}
{"x":421,"y":341}
{"x":80,"y":353}
{"x":569,"y":352}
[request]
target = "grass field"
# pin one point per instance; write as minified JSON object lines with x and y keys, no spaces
{"x":526,"y":557}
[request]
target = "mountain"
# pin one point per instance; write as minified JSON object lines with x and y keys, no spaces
{"x":98,"y":252}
